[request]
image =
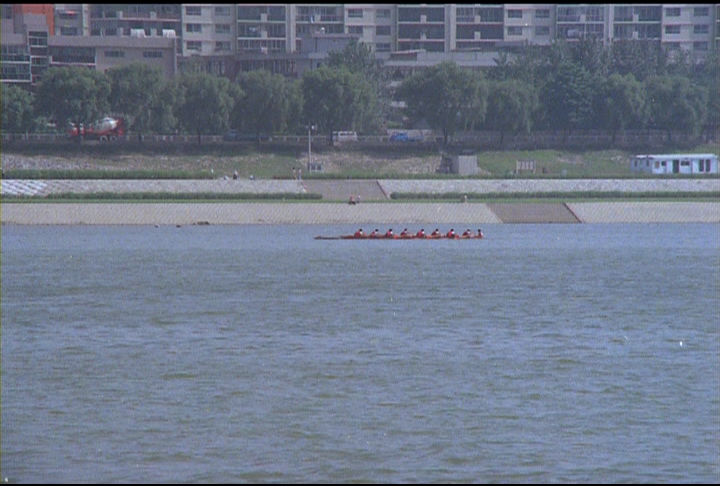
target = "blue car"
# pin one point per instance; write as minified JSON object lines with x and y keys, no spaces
{"x":403,"y":137}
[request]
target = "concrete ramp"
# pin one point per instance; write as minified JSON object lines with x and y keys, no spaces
{"x":533,"y":213}
{"x":341,"y":190}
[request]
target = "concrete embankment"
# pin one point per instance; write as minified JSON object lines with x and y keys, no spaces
{"x":370,"y":211}
{"x":362,"y":214}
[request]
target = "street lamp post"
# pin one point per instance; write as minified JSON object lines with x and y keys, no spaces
{"x":310,"y":128}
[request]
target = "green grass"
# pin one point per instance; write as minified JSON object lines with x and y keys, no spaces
{"x":276,"y":161}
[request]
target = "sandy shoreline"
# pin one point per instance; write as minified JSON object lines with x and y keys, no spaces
{"x":367,"y":213}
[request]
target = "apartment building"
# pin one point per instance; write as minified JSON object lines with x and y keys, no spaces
{"x":288,"y":38}
{"x":31,"y":43}
{"x":717,"y":27}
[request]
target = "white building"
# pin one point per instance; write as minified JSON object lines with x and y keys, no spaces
{"x":675,"y":164}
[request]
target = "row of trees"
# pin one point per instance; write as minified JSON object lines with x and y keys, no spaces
{"x":582,"y":86}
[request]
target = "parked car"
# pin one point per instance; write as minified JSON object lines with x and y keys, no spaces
{"x":344,"y":136}
{"x":236,"y":136}
{"x":404,"y":137}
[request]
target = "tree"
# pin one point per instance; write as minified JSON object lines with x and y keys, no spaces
{"x":590,"y":53}
{"x":642,"y":58}
{"x":135,"y":88}
{"x":204,"y":103}
{"x":17,"y":110}
{"x":511,"y":105}
{"x":358,"y":58}
{"x":621,"y":103}
{"x":163,"y":108}
{"x":335,"y":99}
{"x":446,"y":96}
{"x":73,"y":94}
{"x":674,"y":104}
{"x":265,"y":105}
{"x":568,"y":98}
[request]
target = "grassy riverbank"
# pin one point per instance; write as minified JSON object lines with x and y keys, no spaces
{"x":337,"y":162}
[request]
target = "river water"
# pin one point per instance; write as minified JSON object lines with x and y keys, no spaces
{"x":542,"y":353}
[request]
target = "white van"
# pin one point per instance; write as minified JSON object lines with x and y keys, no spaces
{"x":339,"y":137}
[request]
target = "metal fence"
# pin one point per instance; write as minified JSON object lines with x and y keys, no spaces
{"x":486,"y":139}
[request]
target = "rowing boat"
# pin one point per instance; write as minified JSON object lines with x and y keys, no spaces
{"x":397,"y":237}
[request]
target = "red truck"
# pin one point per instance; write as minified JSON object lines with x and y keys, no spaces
{"x":108,"y":128}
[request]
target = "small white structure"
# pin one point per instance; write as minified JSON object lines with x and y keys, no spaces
{"x":675,"y":164}
{"x":461,"y":164}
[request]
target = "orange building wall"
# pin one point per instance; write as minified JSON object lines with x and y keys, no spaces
{"x":46,"y":9}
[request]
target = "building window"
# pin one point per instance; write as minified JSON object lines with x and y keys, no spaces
{"x":68,"y":31}
{"x":382,"y":47}
{"x":514,"y":14}
{"x":111,"y":32}
{"x":383,"y":13}
{"x":701,"y":29}
{"x":222,"y":28}
{"x":115,"y":54}
{"x":672,"y":12}
{"x":594,"y":14}
{"x":515,"y":31}
{"x":193,"y":28}
{"x":672,"y":29}
{"x":152,"y":54}
{"x":542,"y":13}
{"x":542,"y":30}
{"x":222,"y":11}
{"x":222,"y":46}
{"x":355,"y":13}
{"x":355,"y":29}
{"x":382,"y":30}
{"x":193,"y":45}
{"x":67,"y":15}
{"x":193,"y":10}
{"x":701,"y":11}
{"x":700,"y":46}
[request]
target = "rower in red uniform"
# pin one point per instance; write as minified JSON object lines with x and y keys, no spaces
{"x":420,"y":234}
{"x":375,"y":233}
{"x":436,"y":234}
{"x":467,"y":234}
{"x":389,"y":234}
{"x":451,"y":234}
{"x":405,"y":234}
{"x":479,"y":234}
{"x":359,"y":234}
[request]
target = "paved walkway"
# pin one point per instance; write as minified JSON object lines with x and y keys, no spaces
{"x":371,"y":211}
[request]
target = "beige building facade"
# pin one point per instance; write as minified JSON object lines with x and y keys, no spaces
{"x":229,"y":38}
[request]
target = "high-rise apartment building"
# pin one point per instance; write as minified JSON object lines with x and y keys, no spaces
{"x":288,"y":38}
